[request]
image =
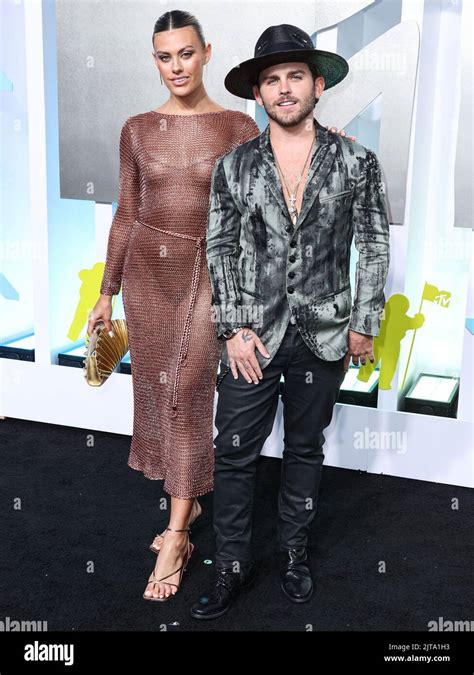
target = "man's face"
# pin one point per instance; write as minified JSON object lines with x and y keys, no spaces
{"x":288,"y":93}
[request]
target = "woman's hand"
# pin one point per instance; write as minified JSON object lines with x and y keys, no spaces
{"x":341,"y":133}
{"x":102,"y":311}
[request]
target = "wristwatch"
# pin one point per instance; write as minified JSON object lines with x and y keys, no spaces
{"x":227,"y":334}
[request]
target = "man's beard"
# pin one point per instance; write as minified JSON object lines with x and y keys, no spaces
{"x":292,"y":119}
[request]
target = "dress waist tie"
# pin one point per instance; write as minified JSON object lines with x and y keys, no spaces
{"x":183,"y":348}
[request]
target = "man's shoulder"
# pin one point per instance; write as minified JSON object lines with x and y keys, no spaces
{"x":353,"y":152}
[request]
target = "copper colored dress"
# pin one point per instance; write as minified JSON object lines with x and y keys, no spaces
{"x":156,"y":250}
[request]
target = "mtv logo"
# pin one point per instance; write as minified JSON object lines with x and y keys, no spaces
{"x":443,"y":298}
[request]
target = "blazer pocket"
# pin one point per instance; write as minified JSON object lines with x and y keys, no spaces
{"x":326,"y":322}
{"x":333,"y":307}
{"x":251,"y":293}
{"x":338,"y":195}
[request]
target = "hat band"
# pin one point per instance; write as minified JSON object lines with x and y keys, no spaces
{"x":283,"y":47}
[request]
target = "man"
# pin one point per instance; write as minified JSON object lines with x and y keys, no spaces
{"x":283,"y":210}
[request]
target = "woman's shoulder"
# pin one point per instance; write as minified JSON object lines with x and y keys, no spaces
{"x":235,"y":125}
{"x":245,"y":126}
{"x":141,"y":117}
{"x":234,"y":115}
{"x":242,"y":117}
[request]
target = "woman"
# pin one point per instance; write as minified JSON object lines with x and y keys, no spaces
{"x":156,"y":249}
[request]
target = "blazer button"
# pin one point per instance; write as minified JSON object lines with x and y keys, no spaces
{"x":288,"y":228}
{"x":290,"y":289}
{"x":292,"y":258}
{"x":292,"y":244}
{"x":291,"y":274}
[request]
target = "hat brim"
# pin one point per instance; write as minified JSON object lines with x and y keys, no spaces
{"x":240,"y":80}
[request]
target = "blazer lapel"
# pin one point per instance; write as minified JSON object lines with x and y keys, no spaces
{"x":319,"y":169}
{"x":270,"y":171}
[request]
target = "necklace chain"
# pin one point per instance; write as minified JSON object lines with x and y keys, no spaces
{"x":292,"y":193}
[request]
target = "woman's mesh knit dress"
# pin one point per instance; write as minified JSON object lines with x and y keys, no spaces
{"x":156,"y":250}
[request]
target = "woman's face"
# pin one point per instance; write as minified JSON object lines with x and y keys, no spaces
{"x":180,"y":58}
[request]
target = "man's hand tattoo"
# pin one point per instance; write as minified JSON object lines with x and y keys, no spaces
{"x":246,"y":336}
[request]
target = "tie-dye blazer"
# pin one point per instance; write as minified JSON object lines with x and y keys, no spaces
{"x":263,"y":269}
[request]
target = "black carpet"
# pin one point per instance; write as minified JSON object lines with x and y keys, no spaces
{"x":76,"y":553}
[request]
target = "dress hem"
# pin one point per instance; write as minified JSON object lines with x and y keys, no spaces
{"x":198,"y":493}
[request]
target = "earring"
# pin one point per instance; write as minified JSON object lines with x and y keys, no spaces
{"x":161,"y":79}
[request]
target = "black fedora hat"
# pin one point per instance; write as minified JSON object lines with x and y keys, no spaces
{"x":283,"y":44}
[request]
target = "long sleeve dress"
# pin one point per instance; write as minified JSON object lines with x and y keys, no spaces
{"x":156,"y":251}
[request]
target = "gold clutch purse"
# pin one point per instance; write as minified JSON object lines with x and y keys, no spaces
{"x":104,"y":353}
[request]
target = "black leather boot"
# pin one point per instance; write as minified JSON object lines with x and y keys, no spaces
{"x":296,"y":580}
{"x":226,"y":587}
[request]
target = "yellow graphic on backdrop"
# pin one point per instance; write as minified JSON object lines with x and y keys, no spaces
{"x":394,"y":326}
{"x":432,"y":294}
{"x":89,"y":293}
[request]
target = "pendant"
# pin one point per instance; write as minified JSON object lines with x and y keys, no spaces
{"x":292,"y":209}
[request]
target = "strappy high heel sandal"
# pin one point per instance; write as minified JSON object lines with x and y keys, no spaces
{"x":181,"y":570}
{"x":155,"y":548}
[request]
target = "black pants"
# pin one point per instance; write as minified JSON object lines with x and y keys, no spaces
{"x":244,"y":419}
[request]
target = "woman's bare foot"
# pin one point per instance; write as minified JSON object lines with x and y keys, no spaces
{"x":173,"y":555}
{"x":195,"y":513}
